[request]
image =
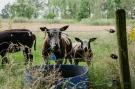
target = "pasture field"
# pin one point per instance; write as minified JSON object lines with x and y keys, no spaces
{"x":102,"y":70}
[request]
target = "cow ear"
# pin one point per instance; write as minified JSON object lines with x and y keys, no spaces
{"x":43,"y":28}
{"x":77,"y":39}
{"x":64,"y":28}
{"x":92,"y":39}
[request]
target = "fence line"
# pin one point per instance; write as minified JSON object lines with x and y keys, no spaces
{"x":59,"y":31}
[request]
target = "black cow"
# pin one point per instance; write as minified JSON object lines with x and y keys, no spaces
{"x":14,"y":40}
{"x":56,"y":44}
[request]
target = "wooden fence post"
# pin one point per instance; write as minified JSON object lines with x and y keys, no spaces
{"x":123,"y":50}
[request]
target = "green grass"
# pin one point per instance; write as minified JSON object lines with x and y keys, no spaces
{"x":102,"y":71}
{"x":50,"y":21}
{"x":87,"y":21}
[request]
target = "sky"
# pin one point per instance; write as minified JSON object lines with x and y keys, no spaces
{"x":5,"y":2}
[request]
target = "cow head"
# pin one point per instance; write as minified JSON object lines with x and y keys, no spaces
{"x":85,"y":44}
{"x":54,"y":36}
{"x":86,"y":49}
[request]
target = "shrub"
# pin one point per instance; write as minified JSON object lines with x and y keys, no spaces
{"x":84,"y":11}
{"x":50,"y":16}
{"x":20,"y":20}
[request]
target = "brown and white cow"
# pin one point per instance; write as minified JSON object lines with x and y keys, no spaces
{"x":82,"y":51}
{"x":56,"y":44}
{"x":14,"y":40}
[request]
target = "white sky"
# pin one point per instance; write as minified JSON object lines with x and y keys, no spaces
{"x":5,"y":2}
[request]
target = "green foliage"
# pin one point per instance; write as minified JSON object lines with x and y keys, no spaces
{"x":6,"y":11}
{"x":50,"y":16}
{"x":21,"y":8}
{"x":73,"y":8}
{"x":84,"y":11}
{"x":68,"y":8}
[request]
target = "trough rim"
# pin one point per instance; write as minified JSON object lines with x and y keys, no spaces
{"x":84,"y":67}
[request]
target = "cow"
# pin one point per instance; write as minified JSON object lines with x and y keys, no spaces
{"x":57,"y":45}
{"x":15,"y":40}
{"x":82,"y":51}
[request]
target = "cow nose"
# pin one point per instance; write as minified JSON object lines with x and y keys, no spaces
{"x":55,"y":46}
{"x":85,"y":49}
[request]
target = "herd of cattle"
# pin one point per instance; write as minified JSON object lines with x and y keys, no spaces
{"x":57,"y":46}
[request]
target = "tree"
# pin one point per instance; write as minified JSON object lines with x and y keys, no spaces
{"x":129,"y":6}
{"x":68,"y":8}
{"x":19,"y":9}
{"x":73,"y":8}
{"x":5,"y":13}
{"x":111,"y":7}
{"x":41,"y":7}
{"x":54,"y":4}
{"x":84,"y":11}
{"x":23,"y":9}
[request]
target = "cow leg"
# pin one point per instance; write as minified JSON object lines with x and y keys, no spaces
{"x":58,"y":62}
{"x":28,"y":55}
{"x":76,"y":61}
{"x":65,"y":61}
{"x":46,"y":60}
{"x":30,"y":58}
{"x":68,"y":58}
{"x":45,"y":57}
{"x":70,"y":61}
{"x":4,"y":58}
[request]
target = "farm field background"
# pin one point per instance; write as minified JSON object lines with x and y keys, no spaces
{"x":102,"y":71}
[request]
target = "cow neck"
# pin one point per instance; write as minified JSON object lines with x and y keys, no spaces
{"x":62,"y":44}
{"x":46,"y":45}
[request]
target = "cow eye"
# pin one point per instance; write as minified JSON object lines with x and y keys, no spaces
{"x":60,"y":34}
{"x":51,"y":35}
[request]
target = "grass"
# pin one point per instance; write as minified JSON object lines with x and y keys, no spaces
{"x":49,"y":21}
{"x":87,"y":21}
{"x":98,"y":21}
{"x":102,"y":71}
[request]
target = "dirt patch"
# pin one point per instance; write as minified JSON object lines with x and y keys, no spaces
{"x":36,"y":26}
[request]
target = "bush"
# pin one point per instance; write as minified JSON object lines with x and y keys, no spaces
{"x":84,"y":10}
{"x":50,"y":16}
{"x":20,"y":20}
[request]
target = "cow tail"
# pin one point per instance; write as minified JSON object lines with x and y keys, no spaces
{"x":34,"y":38}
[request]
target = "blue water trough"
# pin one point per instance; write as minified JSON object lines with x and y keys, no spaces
{"x":73,"y":76}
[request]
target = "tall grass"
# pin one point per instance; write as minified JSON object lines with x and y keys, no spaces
{"x":50,"y":21}
{"x":87,"y":21}
{"x":132,"y":62}
{"x":98,"y":21}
